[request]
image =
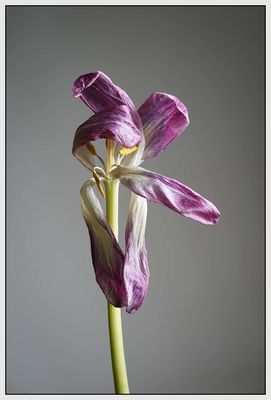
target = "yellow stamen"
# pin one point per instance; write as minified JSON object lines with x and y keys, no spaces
{"x":91,"y":148}
{"x":124,"y":151}
{"x":99,"y":185}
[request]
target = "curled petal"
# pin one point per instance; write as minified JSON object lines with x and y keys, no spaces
{"x":99,"y":93}
{"x":163,"y":117}
{"x":168,"y":192}
{"x":107,"y":256}
{"x":116,"y":124}
{"x":136,"y":270}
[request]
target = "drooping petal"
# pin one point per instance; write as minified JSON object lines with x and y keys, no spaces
{"x":168,"y":192}
{"x":136,"y":270}
{"x":99,"y":93}
{"x":116,"y":124}
{"x":163,"y":117}
{"x":107,"y":256}
{"x":85,"y":156}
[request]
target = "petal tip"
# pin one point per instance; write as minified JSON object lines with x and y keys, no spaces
{"x":213,"y":216}
{"x":131,"y":310}
{"x":216,"y":217}
{"x":164,"y":118}
{"x":83,"y":81}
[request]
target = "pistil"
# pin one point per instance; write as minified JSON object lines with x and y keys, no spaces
{"x":110,"y":145}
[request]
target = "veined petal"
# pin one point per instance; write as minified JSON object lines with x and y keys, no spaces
{"x":168,"y":192}
{"x":163,"y":117}
{"x":116,"y":124}
{"x":99,"y":93}
{"x":136,"y":270}
{"x":107,"y":256}
{"x":85,"y":156}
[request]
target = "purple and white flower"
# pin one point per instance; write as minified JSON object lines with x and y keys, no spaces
{"x":132,"y":136}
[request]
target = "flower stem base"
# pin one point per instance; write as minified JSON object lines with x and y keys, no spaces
{"x":117,"y":350}
{"x":114,"y":313}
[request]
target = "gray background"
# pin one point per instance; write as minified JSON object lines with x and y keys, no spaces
{"x":201,"y":328}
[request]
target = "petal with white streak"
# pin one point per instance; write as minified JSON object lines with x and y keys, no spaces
{"x":168,"y":192}
{"x":116,"y":125}
{"x":85,"y":156}
{"x":100,"y":94}
{"x":136,"y":270}
{"x":164,"y":117}
{"x":107,"y":256}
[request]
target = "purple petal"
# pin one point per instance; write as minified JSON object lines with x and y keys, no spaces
{"x":136,"y":270}
{"x":107,"y":256}
{"x":163,"y":117}
{"x":168,"y":192}
{"x":100,"y":94}
{"x":116,"y":124}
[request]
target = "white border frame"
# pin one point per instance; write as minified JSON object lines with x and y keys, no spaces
{"x":2,"y":208}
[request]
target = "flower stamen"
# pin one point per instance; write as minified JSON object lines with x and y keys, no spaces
{"x":97,"y":180}
{"x":92,"y":150}
{"x":124,"y":151}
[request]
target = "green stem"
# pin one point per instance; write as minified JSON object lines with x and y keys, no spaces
{"x":114,"y":314}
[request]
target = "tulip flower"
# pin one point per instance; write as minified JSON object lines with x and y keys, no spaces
{"x":131,"y":136}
